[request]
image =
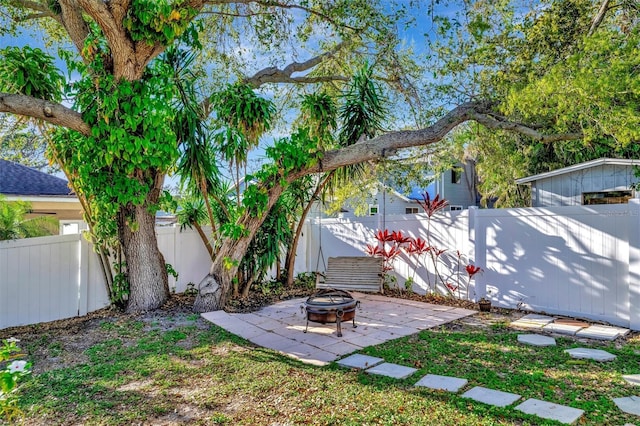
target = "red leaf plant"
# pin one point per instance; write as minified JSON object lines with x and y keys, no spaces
{"x":417,"y":246}
{"x":400,"y":239}
{"x":384,"y":236}
{"x":430,"y":206}
{"x":395,"y":239}
{"x":472,"y":270}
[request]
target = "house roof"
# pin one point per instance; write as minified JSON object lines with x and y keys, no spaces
{"x":16,"y":179}
{"x":581,"y":166}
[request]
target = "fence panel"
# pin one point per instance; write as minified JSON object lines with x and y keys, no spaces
{"x":186,"y":253}
{"x":563,"y":260}
{"x":569,"y":260}
{"x":39,"y":279}
{"x":51,"y":278}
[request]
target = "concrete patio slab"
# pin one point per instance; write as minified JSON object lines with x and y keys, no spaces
{"x":548,"y":410}
{"x":594,"y":354}
{"x":491,"y":396}
{"x":388,"y":369}
{"x":446,"y":383}
{"x":342,"y":348}
{"x":360,"y":361}
{"x":600,"y":332}
{"x":536,"y":340}
{"x":634,"y":379}
{"x":629,"y":404}
{"x":561,"y":328}
{"x":379,"y":319}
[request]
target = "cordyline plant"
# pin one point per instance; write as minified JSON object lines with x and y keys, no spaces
{"x":390,"y":245}
{"x":431,"y":207}
{"x":395,"y":240}
{"x":471,"y":271}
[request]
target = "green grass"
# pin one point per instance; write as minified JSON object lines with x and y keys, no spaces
{"x":188,"y":375}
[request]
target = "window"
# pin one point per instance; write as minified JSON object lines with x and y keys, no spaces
{"x":373,"y":209}
{"x":455,"y":208}
{"x":411,"y":210}
{"x":606,"y":197}
{"x":456,"y":176}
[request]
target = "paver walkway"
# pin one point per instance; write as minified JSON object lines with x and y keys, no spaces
{"x":379,"y":319}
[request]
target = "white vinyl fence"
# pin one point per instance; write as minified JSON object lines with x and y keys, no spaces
{"x":50,"y":278}
{"x":581,"y":261}
{"x":578,"y":261}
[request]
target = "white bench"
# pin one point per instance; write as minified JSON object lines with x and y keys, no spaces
{"x":355,"y":273}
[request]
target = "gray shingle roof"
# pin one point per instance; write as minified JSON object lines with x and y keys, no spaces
{"x":16,"y":179}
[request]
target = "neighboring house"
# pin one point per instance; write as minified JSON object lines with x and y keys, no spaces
{"x":457,"y":186}
{"x":48,"y":195}
{"x":601,"y":181}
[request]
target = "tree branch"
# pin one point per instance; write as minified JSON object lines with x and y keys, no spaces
{"x":42,"y":11}
{"x":387,"y":144}
{"x":493,"y":123}
{"x":71,"y":18}
{"x":281,"y":5}
{"x":48,"y":111}
{"x":597,"y":20}
{"x":275,"y":75}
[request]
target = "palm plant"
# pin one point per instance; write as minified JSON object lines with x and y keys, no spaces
{"x":267,"y":246}
{"x":361,"y":115}
{"x":15,"y":225}
{"x":244,"y":117}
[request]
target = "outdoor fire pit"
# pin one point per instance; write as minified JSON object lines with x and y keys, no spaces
{"x":331,"y":306}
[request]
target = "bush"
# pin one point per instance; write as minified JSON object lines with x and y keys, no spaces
{"x":12,"y":370}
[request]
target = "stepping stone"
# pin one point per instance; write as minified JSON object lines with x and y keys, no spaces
{"x":600,"y":332}
{"x":532,"y":321}
{"x":562,"y":328}
{"x":392,"y":370}
{"x":594,"y":354}
{"x":491,"y":397}
{"x":634,"y":379}
{"x":450,"y":384}
{"x":548,"y":410}
{"x":630,"y":404}
{"x":536,"y":340}
{"x":360,"y":361}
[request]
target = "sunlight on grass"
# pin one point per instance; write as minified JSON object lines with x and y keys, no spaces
{"x":219,"y":378}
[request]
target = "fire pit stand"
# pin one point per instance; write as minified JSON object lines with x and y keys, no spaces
{"x":331,"y":306}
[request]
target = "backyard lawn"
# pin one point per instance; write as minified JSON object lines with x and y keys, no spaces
{"x":172,"y":367}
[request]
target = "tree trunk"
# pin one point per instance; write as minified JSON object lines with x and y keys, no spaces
{"x":215,"y":288}
{"x":293,"y":248}
{"x":147,"y":274}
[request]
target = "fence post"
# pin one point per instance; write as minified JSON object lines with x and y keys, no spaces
{"x":634,"y":264}
{"x":83,"y":275}
{"x":477,"y":251}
